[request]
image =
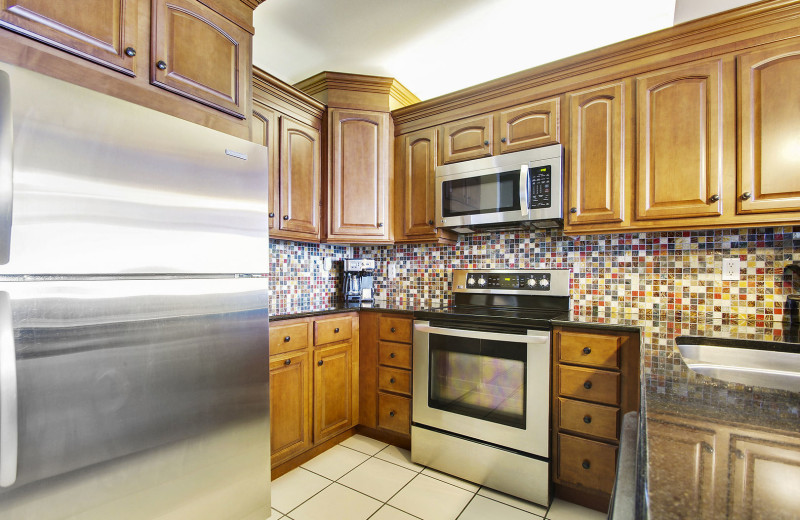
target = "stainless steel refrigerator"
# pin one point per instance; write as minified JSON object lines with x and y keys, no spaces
{"x":133,"y":311}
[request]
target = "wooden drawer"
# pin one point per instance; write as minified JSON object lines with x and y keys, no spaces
{"x":590,"y":349}
{"x":332,"y":330}
{"x":587,"y":463}
{"x":395,"y":329}
{"x":591,"y":419}
{"x":394,"y":354}
{"x":394,"y":380}
{"x":592,"y":385}
{"x":394,"y":413}
{"x":284,"y":338}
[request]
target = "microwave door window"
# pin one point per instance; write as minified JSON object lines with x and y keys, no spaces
{"x":491,"y":193}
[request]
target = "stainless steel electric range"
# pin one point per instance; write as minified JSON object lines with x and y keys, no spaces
{"x":481,"y":404}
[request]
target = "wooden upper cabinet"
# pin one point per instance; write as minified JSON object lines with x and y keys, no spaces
{"x":600,"y":158}
{"x":264,"y":125}
{"x":419,"y":168}
{"x":359,"y":177}
{"x":467,"y":139}
{"x":299,"y":179}
{"x":529,"y":126}
{"x":680,"y":116}
{"x":98,"y":30}
{"x":199,"y":54}
{"x":769,"y":130}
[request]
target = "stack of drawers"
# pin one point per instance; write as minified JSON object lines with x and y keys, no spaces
{"x":596,"y":381}
{"x":394,"y":374}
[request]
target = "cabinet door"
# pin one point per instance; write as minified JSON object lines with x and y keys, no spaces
{"x":299,"y":179}
{"x":419,"y":170}
{"x":467,"y":139}
{"x":98,"y":30}
{"x":359,"y":175}
{"x":529,"y":126}
{"x":290,"y":405}
{"x":333,"y":388}
{"x":682,"y":462}
{"x":599,"y":158}
{"x":769,"y":132}
{"x":765,"y":477}
{"x":199,"y":54}
{"x":680,"y":125}
{"x":264,"y":127}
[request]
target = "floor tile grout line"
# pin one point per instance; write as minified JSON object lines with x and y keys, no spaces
{"x":515,"y":507}
{"x":330,"y":483}
{"x":466,"y":506}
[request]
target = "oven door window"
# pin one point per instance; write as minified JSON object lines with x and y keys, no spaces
{"x":478,"y":378}
{"x":490,"y":193}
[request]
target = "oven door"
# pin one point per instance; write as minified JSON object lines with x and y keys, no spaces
{"x":486,"y":385}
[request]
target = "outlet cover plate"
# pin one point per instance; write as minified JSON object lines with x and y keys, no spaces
{"x":731,"y":269}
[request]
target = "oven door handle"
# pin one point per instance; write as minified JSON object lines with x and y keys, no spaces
{"x":533,"y":336}
{"x":524,"y":190}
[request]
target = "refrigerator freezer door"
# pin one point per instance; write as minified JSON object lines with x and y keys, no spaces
{"x":137,"y":399}
{"x":101,"y":185}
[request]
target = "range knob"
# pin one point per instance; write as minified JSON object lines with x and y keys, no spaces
{"x":531,"y":282}
{"x":481,"y":281}
{"x":471,"y":281}
{"x":544,"y":282}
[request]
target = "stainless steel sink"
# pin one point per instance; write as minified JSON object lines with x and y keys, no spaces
{"x":752,"y":363}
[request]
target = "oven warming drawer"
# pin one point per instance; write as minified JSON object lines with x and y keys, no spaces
{"x":524,"y":477}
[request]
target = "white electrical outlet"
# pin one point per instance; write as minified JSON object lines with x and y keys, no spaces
{"x":730,"y":269}
{"x":392,"y":271}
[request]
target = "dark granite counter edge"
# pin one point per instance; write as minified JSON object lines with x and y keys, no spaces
{"x":338,"y":310}
{"x":618,"y":327}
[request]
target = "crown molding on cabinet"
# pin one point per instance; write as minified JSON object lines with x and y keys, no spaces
{"x":284,"y":94}
{"x":338,"y":89}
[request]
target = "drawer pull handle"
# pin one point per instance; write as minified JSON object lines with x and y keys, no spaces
{"x":391,"y":355}
{"x":319,"y":363}
{"x":587,"y":385}
{"x":391,"y":380}
{"x":587,"y":350}
{"x":287,"y":339}
{"x":394,"y":329}
{"x":336,"y":330}
{"x":287,"y":362}
{"x":391,"y":414}
{"x":586,"y":464}
{"x":587,"y":419}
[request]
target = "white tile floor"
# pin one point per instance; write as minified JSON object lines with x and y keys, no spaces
{"x":362,"y":479}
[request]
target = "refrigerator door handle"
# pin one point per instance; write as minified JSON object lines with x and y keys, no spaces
{"x":8,"y":395}
{"x":6,"y":167}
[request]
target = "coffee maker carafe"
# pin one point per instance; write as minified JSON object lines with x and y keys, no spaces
{"x":357,"y":284}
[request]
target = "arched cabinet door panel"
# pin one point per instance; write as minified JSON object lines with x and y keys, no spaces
{"x":299,"y":178}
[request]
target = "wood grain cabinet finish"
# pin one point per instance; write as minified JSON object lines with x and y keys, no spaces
{"x":299,"y":179}
{"x":333,"y":385}
{"x":264,"y":125}
{"x":394,"y":413}
{"x":419,"y":176}
{"x":359,"y":176}
{"x":98,"y":30}
{"x":530,"y":125}
{"x":290,"y":405}
{"x":680,"y":121}
{"x":600,"y":157}
{"x":285,"y":337}
{"x":769,"y":129}
{"x":468,"y":139}
{"x":586,"y":463}
{"x":198,"y":53}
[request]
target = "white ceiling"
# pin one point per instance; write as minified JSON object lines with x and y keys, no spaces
{"x":438,"y":46}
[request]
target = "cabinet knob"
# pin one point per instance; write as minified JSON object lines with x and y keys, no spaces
{"x":587,"y":385}
{"x":430,"y":222}
{"x":161,"y":65}
{"x":746,"y":195}
{"x":485,"y":143}
{"x":391,"y":355}
{"x":714,"y":198}
{"x":587,"y":351}
{"x":393,"y":329}
{"x":319,"y":363}
{"x":391,"y":380}
{"x":380,"y":224}
{"x":287,"y":362}
{"x":586,"y":464}
{"x":573,"y":210}
{"x":287,"y":339}
{"x":587,"y":419}
{"x":286,"y":217}
{"x":271,"y":214}
{"x":336,"y":330}
{"x":391,"y":414}
{"x":130,"y":52}
{"x":502,"y":139}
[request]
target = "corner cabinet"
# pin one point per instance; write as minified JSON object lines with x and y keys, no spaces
{"x":360,"y":177}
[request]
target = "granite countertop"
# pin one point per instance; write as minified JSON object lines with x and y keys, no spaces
{"x":377,"y":306}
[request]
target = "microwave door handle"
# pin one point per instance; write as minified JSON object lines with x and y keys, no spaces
{"x":6,"y":167}
{"x":8,"y":395}
{"x":524,"y":192}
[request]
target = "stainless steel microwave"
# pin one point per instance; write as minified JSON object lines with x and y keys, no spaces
{"x":519,"y":189}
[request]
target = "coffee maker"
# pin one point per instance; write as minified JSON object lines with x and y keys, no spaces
{"x":357,"y":279}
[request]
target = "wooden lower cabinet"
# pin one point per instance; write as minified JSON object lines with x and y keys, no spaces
{"x":333,"y":384}
{"x":290,"y":405}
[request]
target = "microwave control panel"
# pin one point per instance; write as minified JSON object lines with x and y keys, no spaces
{"x":540,"y":188}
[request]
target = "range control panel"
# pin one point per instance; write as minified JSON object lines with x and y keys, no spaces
{"x":553,"y":282}
{"x":529,"y":281}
